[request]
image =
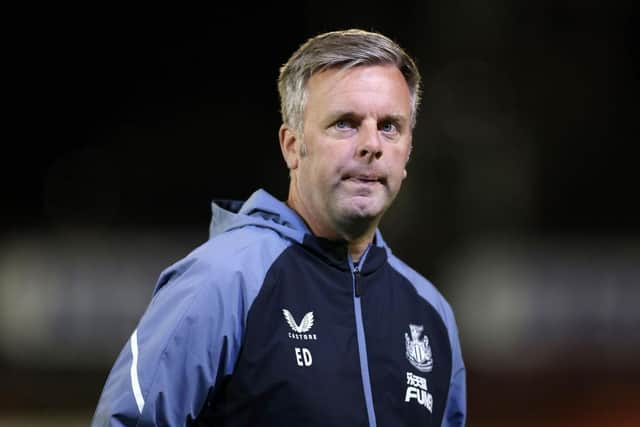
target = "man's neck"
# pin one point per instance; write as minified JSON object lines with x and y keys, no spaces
{"x":358,"y":242}
{"x":357,"y":249}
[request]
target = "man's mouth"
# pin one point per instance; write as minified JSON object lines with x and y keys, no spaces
{"x":364,"y":179}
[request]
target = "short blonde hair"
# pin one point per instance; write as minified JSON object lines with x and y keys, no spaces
{"x":340,"y":49}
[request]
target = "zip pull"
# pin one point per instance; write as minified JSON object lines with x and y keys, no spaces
{"x":356,"y":277}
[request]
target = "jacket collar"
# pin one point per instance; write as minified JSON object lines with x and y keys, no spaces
{"x":263,"y":210}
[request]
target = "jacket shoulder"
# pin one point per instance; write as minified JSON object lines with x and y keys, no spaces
{"x":245,"y":253}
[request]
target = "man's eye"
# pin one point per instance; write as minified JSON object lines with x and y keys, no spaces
{"x":342,"y":124}
{"x":388,"y":127}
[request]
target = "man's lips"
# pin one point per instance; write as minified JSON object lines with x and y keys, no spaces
{"x":364,"y":178}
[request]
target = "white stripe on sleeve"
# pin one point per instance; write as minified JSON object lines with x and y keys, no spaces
{"x":135,"y":384}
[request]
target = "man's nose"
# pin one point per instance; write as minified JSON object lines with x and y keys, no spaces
{"x":370,"y":145}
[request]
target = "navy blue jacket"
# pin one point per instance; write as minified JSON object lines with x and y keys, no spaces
{"x":267,"y":325}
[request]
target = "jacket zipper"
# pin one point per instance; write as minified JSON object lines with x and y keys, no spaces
{"x":362,"y":344}
{"x":356,"y":280}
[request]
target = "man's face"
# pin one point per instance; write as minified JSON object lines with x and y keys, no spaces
{"x":357,"y":138}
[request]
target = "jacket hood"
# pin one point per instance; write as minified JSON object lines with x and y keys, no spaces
{"x":264,"y":210}
{"x":260,"y":210}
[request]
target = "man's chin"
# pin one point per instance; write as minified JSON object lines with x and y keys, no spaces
{"x":362,"y":209}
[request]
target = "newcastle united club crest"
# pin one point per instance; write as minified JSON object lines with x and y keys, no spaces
{"x":418,"y":350}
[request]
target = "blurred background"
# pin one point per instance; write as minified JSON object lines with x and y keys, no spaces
{"x":521,"y":203}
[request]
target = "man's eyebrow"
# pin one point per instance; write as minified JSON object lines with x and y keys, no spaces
{"x":344,"y":114}
{"x":341,"y":115}
{"x":396,"y":118}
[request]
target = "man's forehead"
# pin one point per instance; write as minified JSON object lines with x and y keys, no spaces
{"x":346,"y":90}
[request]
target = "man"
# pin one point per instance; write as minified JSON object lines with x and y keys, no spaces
{"x":299,"y":314}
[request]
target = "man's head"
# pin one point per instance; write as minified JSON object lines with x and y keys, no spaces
{"x":349,"y":101}
{"x":340,"y":49}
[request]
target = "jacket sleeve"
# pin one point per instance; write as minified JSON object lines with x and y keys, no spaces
{"x":186,"y":341}
{"x":456,"y":410}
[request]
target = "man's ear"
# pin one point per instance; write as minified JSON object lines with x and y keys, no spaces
{"x":289,"y":146}
{"x":404,"y":172}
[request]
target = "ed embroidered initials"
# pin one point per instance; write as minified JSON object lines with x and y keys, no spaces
{"x":303,"y":356}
